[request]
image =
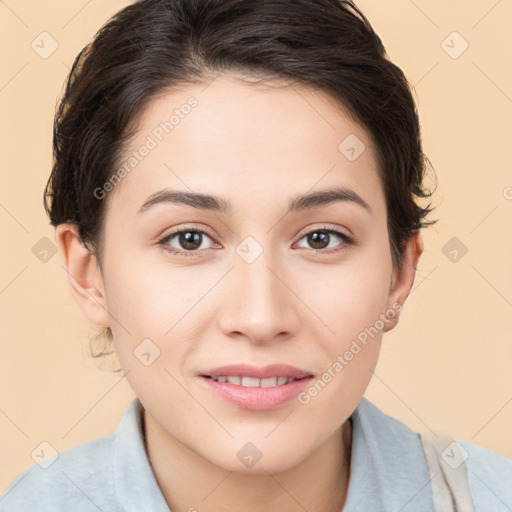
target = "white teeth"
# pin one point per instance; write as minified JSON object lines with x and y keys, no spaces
{"x":253,"y":382}
{"x":250,"y":382}
{"x":270,"y":382}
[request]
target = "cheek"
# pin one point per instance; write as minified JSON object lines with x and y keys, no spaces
{"x":350,"y":297}
{"x":352,"y":352}
{"x":353,"y":309}
{"x":352,"y":302}
{"x":156,"y":313}
{"x":148,"y":299}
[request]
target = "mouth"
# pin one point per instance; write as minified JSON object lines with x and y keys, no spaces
{"x":258,"y":389}
{"x":253,"y":382}
{"x":246,"y":371}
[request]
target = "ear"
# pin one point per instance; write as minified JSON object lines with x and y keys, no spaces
{"x":403,"y":279}
{"x":83,"y":273}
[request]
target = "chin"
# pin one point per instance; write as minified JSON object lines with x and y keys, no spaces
{"x":250,"y":460}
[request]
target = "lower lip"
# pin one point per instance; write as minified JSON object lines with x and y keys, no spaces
{"x":258,"y":399}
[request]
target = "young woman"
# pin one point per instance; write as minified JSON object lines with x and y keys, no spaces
{"x":234,"y":194}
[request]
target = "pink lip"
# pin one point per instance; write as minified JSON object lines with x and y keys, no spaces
{"x":244,"y":370}
{"x":257,"y":398}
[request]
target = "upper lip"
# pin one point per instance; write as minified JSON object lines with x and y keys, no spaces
{"x":245,"y":370}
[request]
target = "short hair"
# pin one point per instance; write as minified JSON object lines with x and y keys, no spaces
{"x":151,"y":46}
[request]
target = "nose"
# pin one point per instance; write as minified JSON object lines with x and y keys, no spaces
{"x":260,"y":303}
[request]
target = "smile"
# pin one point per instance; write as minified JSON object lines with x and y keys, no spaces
{"x":253,"y":382}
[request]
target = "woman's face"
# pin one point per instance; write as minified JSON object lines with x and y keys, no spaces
{"x":265,"y":285}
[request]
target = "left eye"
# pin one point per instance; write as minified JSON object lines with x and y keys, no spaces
{"x":191,"y":240}
{"x":319,"y":237}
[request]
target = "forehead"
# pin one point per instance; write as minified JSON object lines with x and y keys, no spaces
{"x":234,"y":139}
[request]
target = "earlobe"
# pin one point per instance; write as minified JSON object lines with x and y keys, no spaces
{"x":403,"y":279}
{"x":83,"y":274}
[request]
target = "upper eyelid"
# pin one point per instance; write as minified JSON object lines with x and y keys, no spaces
{"x":325,"y":227}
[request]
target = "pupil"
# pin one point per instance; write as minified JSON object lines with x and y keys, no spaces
{"x":189,"y":238}
{"x":322,"y":239}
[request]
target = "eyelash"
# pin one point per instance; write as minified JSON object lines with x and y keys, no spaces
{"x":164,"y":241}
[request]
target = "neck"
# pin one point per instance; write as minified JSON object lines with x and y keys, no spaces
{"x":189,"y":481}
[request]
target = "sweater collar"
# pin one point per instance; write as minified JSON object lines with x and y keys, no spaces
{"x":135,"y":482}
{"x":388,"y":469}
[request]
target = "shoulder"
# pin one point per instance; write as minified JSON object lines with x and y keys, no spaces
{"x":398,"y":450}
{"x":489,"y":477}
{"x":81,"y":475}
{"x":110,"y":473}
{"x":482,"y":461}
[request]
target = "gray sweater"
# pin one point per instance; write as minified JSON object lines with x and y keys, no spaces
{"x":388,"y":472}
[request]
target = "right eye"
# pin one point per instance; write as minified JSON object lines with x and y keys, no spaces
{"x":190,"y":240}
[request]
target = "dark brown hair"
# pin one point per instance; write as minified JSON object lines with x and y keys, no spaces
{"x":154,"y":45}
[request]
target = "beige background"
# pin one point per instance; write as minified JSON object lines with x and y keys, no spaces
{"x":446,"y":368}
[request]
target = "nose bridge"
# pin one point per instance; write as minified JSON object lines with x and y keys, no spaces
{"x":261,"y":306}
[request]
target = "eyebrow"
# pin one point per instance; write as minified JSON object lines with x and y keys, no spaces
{"x":218,"y":204}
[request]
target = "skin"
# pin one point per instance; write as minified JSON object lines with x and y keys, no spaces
{"x":256,"y":147}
